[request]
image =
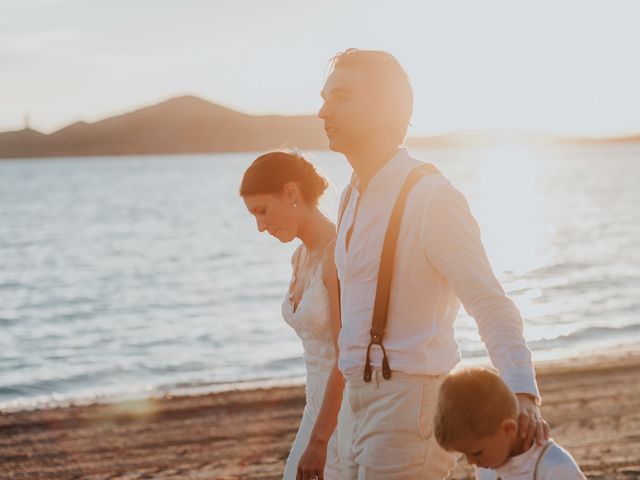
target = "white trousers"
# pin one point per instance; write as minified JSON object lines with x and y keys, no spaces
{"x":385,"y":429}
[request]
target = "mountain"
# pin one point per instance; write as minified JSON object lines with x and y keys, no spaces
{"x":190,"y":124}
{"x":489,"y":138}
{"x":598,"y":140}
{"x":478,"y":139}
{"x":180,"y":125}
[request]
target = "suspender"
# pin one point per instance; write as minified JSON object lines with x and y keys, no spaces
{"x":385,"y":272}
{"x":544,"y":450}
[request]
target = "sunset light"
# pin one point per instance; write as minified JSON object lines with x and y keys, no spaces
{"x":336,"y":240}
{"x":567,"y":67}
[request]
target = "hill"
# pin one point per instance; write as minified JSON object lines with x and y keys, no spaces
{"x":189,"y":124}
{"x":180,"y":125}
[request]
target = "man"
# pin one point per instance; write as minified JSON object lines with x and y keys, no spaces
{"x":385,"y":425}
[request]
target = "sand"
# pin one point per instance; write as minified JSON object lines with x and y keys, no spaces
{"x":592,"y":405}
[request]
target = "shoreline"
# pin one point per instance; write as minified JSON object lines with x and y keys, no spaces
{"x":138,"y":393}
{"x":591,"y":402}
{"x":56,"y":400}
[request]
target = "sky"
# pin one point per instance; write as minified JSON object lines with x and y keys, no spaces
{"x":563,"y":66}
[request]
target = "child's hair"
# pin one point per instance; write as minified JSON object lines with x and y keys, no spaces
{"x":472,"y":403}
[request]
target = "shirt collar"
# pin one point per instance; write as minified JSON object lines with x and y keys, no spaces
{"x":387,"y":171}
{"x":521,"y":462}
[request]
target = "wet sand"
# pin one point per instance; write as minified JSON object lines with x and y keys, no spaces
{"x":592,"y":405}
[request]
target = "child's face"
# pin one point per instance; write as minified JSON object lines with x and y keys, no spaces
{"x":491,"y":451}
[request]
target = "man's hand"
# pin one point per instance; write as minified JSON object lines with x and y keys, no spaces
{"x":530,"y":421}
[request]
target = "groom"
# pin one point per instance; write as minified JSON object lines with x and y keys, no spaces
{"x":385,"y":425}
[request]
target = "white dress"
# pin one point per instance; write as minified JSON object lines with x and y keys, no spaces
{"x":311,"y":321}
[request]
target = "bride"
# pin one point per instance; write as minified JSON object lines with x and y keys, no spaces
{"x":281,"y":190}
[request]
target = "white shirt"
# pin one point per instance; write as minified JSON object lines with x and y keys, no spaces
{"x":556,"y":464}
{"x":439,"y":261}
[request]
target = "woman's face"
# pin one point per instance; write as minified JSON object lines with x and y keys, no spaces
{"x":273,"y":213}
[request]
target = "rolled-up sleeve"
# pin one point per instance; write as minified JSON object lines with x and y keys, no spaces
{"x":453,"y":246}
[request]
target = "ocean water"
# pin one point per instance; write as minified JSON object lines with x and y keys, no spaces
{"x":142,"y":275}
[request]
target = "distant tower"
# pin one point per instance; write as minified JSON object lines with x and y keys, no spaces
{"x":26,"y":122}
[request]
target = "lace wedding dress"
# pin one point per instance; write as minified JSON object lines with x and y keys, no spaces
{"x":311,"y":321}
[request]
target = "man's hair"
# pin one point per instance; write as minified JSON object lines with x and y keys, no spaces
{"x":388,"y":85}
{"x":472,"y":403}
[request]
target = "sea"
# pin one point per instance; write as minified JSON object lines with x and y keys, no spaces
{"x":145,"y":275}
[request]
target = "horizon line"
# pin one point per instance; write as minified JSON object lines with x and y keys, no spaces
{"x":620,"y":133}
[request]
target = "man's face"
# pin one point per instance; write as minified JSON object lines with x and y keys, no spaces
{"x":351,"y":120}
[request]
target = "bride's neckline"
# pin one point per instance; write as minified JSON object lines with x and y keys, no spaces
{"x":295,"y":305}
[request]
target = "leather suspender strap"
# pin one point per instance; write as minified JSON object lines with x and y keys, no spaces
{"x":544,"y":450}
{"x":383,"y":288}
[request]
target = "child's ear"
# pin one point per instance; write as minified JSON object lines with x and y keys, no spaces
{"x":510,"y":427}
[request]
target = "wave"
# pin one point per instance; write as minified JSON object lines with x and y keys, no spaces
{"x":627,"y":332}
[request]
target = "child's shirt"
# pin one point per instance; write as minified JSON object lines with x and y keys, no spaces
{"x":556,"y":464}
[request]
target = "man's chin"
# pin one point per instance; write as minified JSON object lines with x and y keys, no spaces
{"x":337,"y":146}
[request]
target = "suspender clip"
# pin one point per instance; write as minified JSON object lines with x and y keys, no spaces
{"x":376,"y":336}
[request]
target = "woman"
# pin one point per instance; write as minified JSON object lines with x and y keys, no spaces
{"x":281,"y":190}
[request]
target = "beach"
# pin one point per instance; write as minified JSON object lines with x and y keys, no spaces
{"x":592,"y":404}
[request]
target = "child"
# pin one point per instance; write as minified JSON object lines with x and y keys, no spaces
{"x":477,"y":416}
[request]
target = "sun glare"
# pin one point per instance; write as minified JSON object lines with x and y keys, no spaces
{"x":510,"y":208}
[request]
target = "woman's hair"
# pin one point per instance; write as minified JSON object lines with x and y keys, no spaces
{"x":269,"y":172}
{"x":472,"y":403}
